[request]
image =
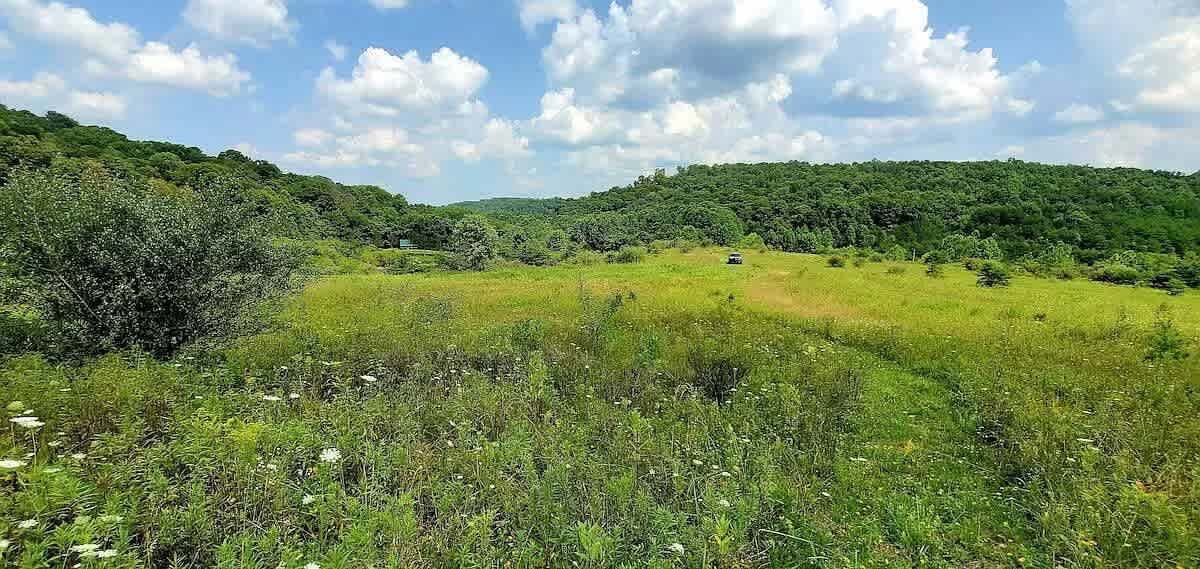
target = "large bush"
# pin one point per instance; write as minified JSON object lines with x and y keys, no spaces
{"x":112,"y":264}
{"x":474,"y":242}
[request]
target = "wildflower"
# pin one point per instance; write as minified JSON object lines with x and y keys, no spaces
{"x":724,"y":503}
{"x":331,"y":455}
{"x":697,"y":462}
{"x":312,"y":566}
{"x":79,"y":456}
{"x":308,"y":499}
{"x":52,"y":470}
{"x":271,"y":398}
{"x":54,"y":444}
{"x":725,"y":474}
{"x":369,"y":378}
{"x":293,"y":396}
{"x":105,"y":554}
{"x":27,"y":422}
{"x":11,"y":464}
{"x":677,"y":548}
{"x":85,"y":548}
{"x":110,"y":519}
{"x":4,"y":543}
{"x":27,"y":524}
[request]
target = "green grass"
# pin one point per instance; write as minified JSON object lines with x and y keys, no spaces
{"x":675,"y":412}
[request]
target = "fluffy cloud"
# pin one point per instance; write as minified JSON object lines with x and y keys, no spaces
{"x":117,"y":49}
{"x":410,"y":114}
{"x":385,"y":84}
{"x":255,"y":22}
{"x":69,"y":26}
{"x":41,"y":86}
{"x":1168,"y":70}
{"x":1152,"y":47}
{"x":96,"y":106}
{"x":1129,"y":143}
{"x":1077,"y":113}
{"x":49,"y":91}
{"x":655,"y":82}
{"x":536,"y":12}
{"x":158,"y":63}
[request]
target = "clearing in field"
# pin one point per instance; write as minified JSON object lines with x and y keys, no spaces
{"x":677,"y":412}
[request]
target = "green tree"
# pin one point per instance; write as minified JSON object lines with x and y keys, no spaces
{"x":474,"y":243}
{"x":992,"y":275}
{"x":116,"y":265}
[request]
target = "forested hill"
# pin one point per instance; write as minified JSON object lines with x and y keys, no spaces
{"x":800,"y":206}
{"x":793,"y":206}
{"x":300,"y":206}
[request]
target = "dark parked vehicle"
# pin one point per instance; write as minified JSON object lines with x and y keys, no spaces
{"x":735,"y":259}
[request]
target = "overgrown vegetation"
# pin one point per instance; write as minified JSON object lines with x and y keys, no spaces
{"x":465,"y":404}
{"x":112,"y":265}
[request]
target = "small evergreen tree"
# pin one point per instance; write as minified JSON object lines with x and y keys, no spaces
{"x":992,"y":275}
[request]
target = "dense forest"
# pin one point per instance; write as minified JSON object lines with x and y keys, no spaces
{"x":806,"y":207}
{"x":1129,"y":225}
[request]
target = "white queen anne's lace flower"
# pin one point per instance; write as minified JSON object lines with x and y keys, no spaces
{"x":677,"y":548}
{"x":85,"y":548}
{"x":11,"y":464}
{"x":331,"y":455}
{"x":312,"y":566}
{"x":27,"y":422}
{"x":27,"y":524}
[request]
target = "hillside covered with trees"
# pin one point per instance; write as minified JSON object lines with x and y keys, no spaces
{"x":809,"y":207}
{"x":1137,"y":221}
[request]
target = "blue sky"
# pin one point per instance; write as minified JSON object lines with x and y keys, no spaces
{"x":446,"y":100}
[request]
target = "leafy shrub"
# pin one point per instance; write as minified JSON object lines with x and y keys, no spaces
{"x":860,"y":262}
{"x":585,"y":257}
{"x":115,"y":265}
{"x":752,"y":242}
{"x":627,"y":255}
{"x":935,"y":270}
{"x":992,"y":275}
{"x":895,"y":270}
{"x":972,"y":264}
{"x":896,"y":253}
{"x":836,"y":262}
{"x":1116,"y":274}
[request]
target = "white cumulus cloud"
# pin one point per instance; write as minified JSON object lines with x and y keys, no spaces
{"x":254,"y":22}
{"x":385,"y":83}
{"x":117,"y":49}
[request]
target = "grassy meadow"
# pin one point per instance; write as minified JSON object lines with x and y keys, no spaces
{"x":677,"y":412}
